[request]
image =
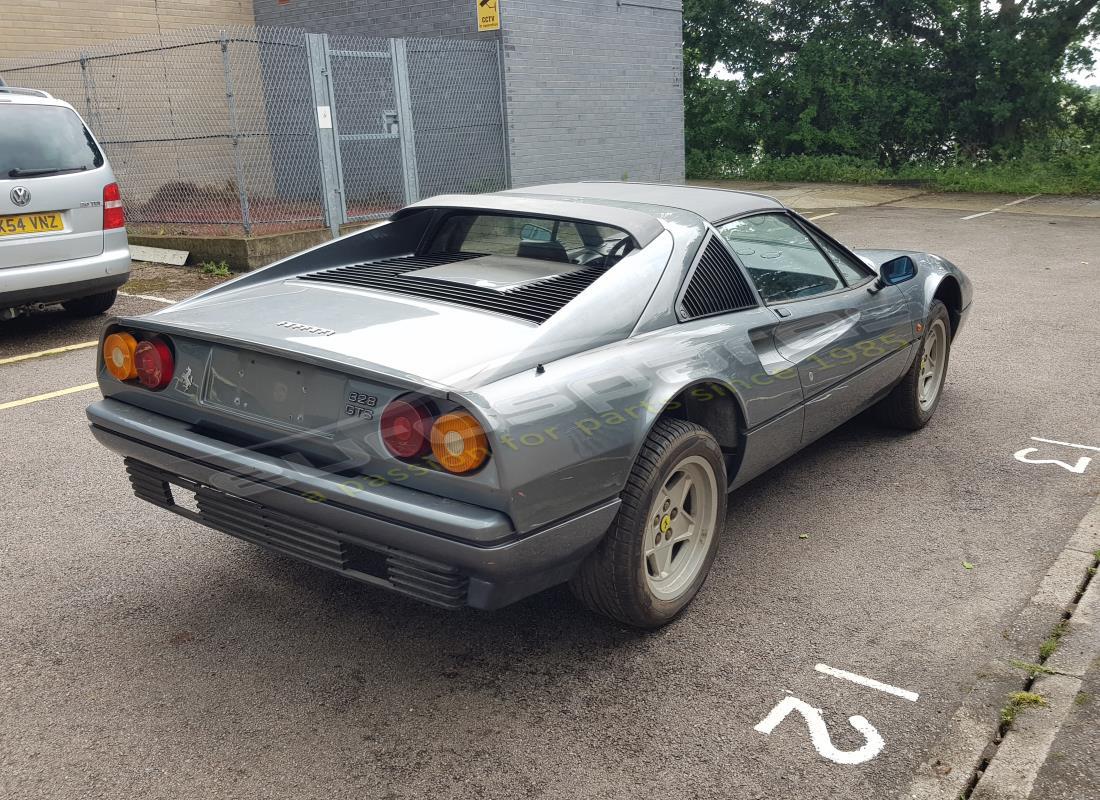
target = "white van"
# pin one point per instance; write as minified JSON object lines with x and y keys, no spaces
{"x":62,"y":224}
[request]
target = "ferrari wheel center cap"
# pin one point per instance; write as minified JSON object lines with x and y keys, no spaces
{"x":666,"y":523}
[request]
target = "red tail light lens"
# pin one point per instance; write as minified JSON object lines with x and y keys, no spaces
{"x":406,"y":427}
{"x":154,"y":364}
{"x":114,"y":215}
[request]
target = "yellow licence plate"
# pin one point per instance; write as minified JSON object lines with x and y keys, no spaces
{"x":16,"y":224}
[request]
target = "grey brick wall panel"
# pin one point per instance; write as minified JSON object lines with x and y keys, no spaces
{"x":593,"y":88}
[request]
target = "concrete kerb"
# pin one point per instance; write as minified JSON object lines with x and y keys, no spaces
{"x":971,"y":759}
{"x":243,"y":253}
{"x":1012,"y":772}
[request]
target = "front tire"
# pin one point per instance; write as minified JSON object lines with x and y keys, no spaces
{"x":660,"y":547}
{"x":92,"y":305}
{"x":912,"y":402}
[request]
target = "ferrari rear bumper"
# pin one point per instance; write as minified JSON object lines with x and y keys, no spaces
{"x":440,"y":551}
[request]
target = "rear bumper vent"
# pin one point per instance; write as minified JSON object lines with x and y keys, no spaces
{"x":379,"y":565}
{"x":535,"y":302}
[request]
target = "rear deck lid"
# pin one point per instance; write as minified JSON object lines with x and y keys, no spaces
{"x":410,"y":339}
{"x":52,"y":175}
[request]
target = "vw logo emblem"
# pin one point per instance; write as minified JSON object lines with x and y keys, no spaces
{"x":20,"y":196}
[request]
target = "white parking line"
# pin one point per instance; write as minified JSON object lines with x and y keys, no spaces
{"x":1067,"y":444}
{"x":50,"y":352}
{"x":822,"y":216}
{"x":1000,"y":208}
{"x":48,"y":396}
{"x":868,"y":682}
{"x":152,"y":297}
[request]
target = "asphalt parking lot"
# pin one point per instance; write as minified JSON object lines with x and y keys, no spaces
{"x":145,"y":656}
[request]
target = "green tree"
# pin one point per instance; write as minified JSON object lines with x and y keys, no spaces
{"x":883,"y":79}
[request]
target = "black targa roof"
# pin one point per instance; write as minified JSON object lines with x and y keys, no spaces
{"x":711,"y":204}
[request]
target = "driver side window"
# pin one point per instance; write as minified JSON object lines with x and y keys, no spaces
{"x":781,"y":260}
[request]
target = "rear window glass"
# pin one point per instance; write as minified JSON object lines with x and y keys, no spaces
{"x":43,"y":140}
{"x":548,"y":239}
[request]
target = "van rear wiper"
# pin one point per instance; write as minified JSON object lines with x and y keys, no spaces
{"x":31,"y":173}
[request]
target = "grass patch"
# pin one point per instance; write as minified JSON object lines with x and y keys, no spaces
{"x":1082,"y":699}
{"x":215,"y":269}
{"x":1067,"y":174}
{"x":1047,"y":648}
{"x":1030,"y":668}
{"x":1018,"y":701}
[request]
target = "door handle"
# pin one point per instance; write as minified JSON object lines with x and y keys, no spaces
{"x":782,"y":312}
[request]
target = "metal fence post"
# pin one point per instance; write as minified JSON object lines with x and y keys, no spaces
{"x":405,"y":127}
{"x":231,"y":102}
{"x":327,"y":144}
{"x":505,"y":146}
{"x":87,"y":88}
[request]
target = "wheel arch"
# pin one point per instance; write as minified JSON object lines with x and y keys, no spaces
{"x":949,"y":292}
{"x":715,"y":405}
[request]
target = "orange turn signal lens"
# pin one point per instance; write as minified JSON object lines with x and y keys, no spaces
{"x":118,"y":356}
{"x":459,"y":443}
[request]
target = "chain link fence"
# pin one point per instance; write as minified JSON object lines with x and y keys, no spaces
{"x":264,"y":130}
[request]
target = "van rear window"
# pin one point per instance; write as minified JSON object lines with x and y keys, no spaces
{"x":42,"y":140}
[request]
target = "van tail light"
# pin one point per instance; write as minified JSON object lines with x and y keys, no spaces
{"x":114,"y":215}
{"x":459,"y":443}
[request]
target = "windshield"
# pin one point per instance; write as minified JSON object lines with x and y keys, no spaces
{"x":44,"y":140}
{"x":546,"y":239}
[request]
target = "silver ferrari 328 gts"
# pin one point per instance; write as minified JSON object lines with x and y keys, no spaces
{"x":488,"y":395}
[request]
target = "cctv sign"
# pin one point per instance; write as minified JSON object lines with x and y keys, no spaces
{"x":488,"y":14}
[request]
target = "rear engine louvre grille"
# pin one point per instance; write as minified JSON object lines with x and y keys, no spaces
{"x":425,"y":580}
{"x":535,"y":302}
{"x":717,"y":285}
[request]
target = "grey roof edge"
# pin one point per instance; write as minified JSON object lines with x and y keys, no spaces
{"x":640,"y":225}
{"x":701,"y":188}
{"x":666,"y":195}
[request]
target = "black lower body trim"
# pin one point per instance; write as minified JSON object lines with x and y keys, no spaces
{"x":376,"y":564}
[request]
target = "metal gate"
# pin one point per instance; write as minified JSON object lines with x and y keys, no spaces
{"x":374,"y":109}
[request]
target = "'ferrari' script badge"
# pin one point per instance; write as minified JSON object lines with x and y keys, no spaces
{"x":303,"y":328}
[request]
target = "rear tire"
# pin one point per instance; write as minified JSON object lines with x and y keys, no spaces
{"x":92,"y":305}
{"x":914,"y":400}
{"x":660,"y":547}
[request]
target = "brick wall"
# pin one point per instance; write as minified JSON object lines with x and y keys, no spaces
{"x":594,"y":90}
{"x":162,"y":114}
{"x":46,"y":25}
{"x":374,"y":17}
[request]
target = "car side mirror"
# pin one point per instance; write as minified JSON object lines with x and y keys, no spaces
{"x":897,"y":270}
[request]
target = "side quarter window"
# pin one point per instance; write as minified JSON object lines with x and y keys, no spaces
{"x":852,"y":271}
{"x":716,"y":285}
{"x":782,"y":260}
